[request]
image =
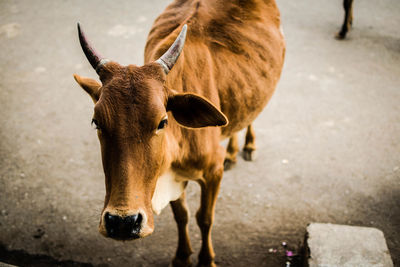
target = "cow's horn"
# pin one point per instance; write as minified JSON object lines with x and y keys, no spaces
{"x":169,"y":58}
{"x":95,"y":59}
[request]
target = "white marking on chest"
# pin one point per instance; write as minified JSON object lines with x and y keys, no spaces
{"x":168,"y":188}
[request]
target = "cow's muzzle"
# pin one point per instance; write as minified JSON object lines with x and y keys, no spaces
{"x":123,"y":227}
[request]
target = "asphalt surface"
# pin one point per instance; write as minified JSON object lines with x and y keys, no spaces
{"x":328,"y":142}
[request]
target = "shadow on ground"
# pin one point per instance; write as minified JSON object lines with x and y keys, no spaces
{"x":21,"y":258}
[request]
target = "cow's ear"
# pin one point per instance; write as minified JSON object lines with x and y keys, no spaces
{"x":90,"y":86}
{"x":194,"y":111}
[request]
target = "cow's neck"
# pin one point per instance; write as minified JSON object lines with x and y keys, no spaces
{"x":171,"y":183}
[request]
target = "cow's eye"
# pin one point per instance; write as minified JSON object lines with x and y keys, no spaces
{"x":95,"y":124}
{"x":163,"y":123}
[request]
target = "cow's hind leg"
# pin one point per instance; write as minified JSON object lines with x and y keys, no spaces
{"x":231,"y":152}
{"x":348,"y":19}
{"x":181,"y":215}
{"x":250,"y":144}
{"x":205,"y":215}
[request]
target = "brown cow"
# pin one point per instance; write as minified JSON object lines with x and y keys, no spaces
{"x":152,"y":120}
{"x":348,"y":19}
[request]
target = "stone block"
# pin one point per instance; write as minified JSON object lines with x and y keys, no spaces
{"x":332,"y":245}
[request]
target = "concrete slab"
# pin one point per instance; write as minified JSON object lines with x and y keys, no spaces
{"x":332,"y":245}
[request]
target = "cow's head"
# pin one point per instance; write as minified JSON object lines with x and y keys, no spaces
{"x":130,"y":115}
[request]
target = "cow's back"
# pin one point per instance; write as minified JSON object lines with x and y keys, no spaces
{"x":233,"y":53}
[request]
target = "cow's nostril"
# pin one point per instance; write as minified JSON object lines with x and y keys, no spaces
{"x":137,"y":224}
{"x":110,"y":218}
{"x":136,"y":219}
{"x":139,"y":219}
{"x":111,"y":223}
{"x":134,"y":222}
{"x":127,"y":227}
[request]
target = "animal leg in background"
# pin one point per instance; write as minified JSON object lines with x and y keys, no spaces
{"x":250,"y":144}
{"x":181,"y":215}
{"x":348,"y":19}
{"x":233,"y":148}
{"x":231,"y":152}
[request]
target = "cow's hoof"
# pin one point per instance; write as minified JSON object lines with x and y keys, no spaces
{"x":249,"y":154}
{"x":228,"y":164}
{"x":176,"y":262}
{"x":340,"y":35}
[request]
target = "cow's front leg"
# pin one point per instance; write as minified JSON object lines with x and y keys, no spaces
{"x":181,"y":215}
{"x":205,"y":215}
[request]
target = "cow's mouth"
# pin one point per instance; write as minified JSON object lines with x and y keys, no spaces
{"x":125,"y":238}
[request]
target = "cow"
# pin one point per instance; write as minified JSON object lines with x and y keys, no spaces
{"x":211,"y":66}
{"x":348,"y":19}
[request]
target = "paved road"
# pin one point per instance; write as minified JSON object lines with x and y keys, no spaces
{"x":329,"y":141}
